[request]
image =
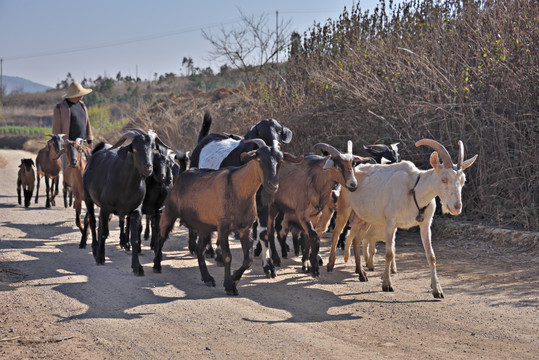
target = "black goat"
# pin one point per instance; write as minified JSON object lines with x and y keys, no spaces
{"x":384,"y":154}
{"x":115,"y":180}
{"x":216,"y":151}
{"x":26,"y":179}
{"x":157,"y":187}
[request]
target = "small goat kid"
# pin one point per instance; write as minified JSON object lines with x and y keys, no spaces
{"x":77,"y":155}
{"x":26,"y":179}
{"x":48,"y":165}
{"x":224,"y":201}
{"x":402,"y":196}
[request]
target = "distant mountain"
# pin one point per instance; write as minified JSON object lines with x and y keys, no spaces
{"x":17,"y":84}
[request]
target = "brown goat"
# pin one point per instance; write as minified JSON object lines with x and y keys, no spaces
{"x":77,"y":155}
{"x":26,"y":179}
{"x":224,"y":201}
{"x":305,"y":190}
{"x":48,"y":165}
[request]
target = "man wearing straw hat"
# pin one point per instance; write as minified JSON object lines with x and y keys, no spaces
{"x":70,"y":116}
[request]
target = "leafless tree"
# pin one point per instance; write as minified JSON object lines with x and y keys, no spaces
{"x":252,"y":43}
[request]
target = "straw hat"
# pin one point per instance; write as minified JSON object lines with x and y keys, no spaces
{"x":76,"y":90}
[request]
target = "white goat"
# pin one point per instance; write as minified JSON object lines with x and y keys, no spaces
{"x":402,"y":196}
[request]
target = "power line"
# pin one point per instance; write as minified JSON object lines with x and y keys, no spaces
{"x":118,"y":42}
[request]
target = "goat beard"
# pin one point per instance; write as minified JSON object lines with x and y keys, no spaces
{"x":266,"y":197}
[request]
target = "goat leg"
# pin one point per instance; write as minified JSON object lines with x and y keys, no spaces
{"x":47,"y":190}
{"x":359,"y":268}
{"x":147,"y":228}
{"x":84,"y":232}
{"x":390,"y":255}
{"x":343,"y":214}
{"x":314,"y":240}
{"x":247,"y":247}
{"x":134,"y":226}
{"x":229,"y":283}
{"x":98,"y":245}
{"x":19,"y":184}
{"x":37,"y":187}
{"x":154,"y":222}
{"x":166,"y":224}
{"x":192,"y":241}
{"x":27,"y":198}
{"x":203,"y":239}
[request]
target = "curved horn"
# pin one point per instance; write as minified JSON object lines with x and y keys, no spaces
{"x":461,"y":155}
{"x":439,"y":148}
{"x":328,"y":148}
{"x":124,"y":137}
{"x":256,"y":141}
{"x":160,"y":142}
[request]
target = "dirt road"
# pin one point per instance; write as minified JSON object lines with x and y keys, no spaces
{"x":56,"y":303}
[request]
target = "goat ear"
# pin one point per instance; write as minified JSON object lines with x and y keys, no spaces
{"x":292,"y":158}
{"x":246,"y":156}
{"x":286,"y":135}
{"x":469,"y":162}
{"x":329,"y":164}
{"x":435,"y":161}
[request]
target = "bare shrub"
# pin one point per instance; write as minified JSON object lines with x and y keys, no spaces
{"x":442,"y":70}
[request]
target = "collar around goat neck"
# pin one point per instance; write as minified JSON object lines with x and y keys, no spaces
{"x":421,"y":211}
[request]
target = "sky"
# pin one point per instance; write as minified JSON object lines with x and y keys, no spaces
{"x":43,"y":41}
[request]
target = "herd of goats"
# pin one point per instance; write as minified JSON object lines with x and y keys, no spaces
{"x":249,"y":187}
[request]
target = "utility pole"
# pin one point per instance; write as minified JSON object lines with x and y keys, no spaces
{"x":277,"y":33}
{"x":1,"y":77}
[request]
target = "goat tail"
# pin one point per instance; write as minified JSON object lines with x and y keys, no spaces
{"x":205,"y":129}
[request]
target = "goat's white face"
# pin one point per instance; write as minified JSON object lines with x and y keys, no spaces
{"x":449,"y":188}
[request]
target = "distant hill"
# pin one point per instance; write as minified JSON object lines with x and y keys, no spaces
{"x":17,"y":84}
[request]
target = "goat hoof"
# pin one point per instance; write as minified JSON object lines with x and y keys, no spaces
{"x":315,"y":273}
{"x":210,"y":282}
{"x":364,"y":278}
{"x":305,"y":269}
{"x":139,"y":271}
{"x":269,"y":270}
{"x":219,"y":260}
{"x":276,"y":260}
{"x":438,"y":295}
{"x":82,"y":246}
{"x":320,"y":261}
{"x":330,"y":267}
{"x":387,"y":288}
{"x":157,"y":269}
{"x":233,"y":291}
